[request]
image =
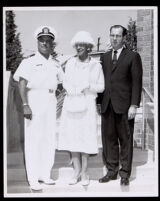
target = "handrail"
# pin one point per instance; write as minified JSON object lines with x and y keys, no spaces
{"x":148,"y":93}
{"x":145,"y":91}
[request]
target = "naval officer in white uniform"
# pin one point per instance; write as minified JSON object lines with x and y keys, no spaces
{"x":38,"y":78}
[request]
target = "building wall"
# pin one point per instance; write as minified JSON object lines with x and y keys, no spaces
{"x":145,"y":48}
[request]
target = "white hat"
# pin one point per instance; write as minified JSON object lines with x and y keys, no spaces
{"x":45,"y":31}
{"x":82,"y":37}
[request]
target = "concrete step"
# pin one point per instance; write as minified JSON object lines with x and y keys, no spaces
{"x":62,"y":166}
{"x":64,"y":173}
{"x":62,"y":169}
{"x":142,"y":156}
{"x":143,"y":179}
{"x":141,"y":184}
{"x":111,"y":189}
{"x":17,"y":158}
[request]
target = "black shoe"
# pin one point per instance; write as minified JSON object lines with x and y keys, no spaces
{"x":124,"y":182}
{"x":107,"y":178}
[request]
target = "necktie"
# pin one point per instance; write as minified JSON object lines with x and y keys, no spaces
{"x":114,"y":60}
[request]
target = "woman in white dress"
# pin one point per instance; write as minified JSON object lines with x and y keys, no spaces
{"x":83,"y":79}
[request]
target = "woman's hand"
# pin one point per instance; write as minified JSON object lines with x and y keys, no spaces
{"x":85,"y":86}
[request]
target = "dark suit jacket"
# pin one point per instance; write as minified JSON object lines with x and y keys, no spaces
{"x":123,"y":84}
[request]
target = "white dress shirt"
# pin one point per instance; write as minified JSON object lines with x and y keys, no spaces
{"x":118,"y":52}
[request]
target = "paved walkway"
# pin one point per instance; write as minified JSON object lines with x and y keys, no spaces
{"x":143,"y":181}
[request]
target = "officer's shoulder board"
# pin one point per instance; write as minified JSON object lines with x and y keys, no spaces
{"x":29,"y":56}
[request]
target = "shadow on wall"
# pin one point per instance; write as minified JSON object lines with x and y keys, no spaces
{"x":15,"y":119}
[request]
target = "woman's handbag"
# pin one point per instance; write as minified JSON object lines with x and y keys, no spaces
{"x":76,"y":103}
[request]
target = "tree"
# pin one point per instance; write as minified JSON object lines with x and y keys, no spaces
{"x":13,"y":45}
{"x":131,"y":39}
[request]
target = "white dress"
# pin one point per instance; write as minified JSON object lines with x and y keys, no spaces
{"x":40,"y":132}
{"x":78,"y":131}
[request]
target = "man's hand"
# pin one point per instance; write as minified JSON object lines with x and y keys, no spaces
{"x":132,"y":112}
{"x":99,"y":109}
{"x":27,"y":112}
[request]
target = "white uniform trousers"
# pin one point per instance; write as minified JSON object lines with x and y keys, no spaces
{"x":40,"y":136}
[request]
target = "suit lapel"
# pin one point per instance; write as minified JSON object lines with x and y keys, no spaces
{"x":121,"y":56}
{"x":109,"y":60}
{"x":107,"y":63}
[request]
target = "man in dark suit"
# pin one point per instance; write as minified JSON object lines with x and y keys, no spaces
{"x":123,"y":85}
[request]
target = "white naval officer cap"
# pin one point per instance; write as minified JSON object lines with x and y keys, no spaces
{"x":45,"y":31}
